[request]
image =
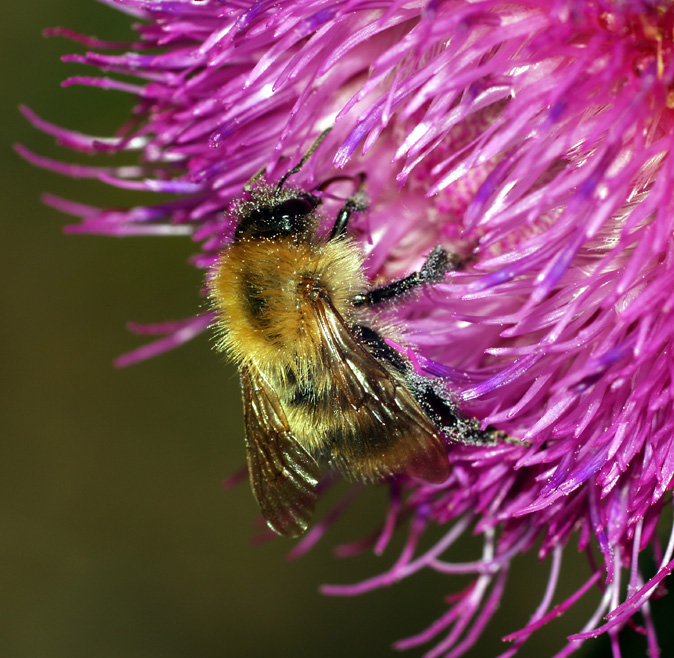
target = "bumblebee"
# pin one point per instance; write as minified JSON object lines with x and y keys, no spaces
{"x":320,"y":384}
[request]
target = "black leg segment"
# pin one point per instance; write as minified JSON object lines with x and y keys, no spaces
{"x":357,"y":202}
{"x":438,"y":263}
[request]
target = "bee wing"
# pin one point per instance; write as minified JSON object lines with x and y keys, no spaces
{"x":406,"y":440}
{"x":283,"y":474}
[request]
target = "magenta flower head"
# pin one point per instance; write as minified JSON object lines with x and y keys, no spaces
{"x":534,"y":139}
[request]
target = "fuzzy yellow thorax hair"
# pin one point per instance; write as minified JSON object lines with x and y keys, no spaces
{"x":266,"y":317}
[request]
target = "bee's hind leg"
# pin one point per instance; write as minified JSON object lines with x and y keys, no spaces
{"x":437,"y":265}
{"x":448,"y":418}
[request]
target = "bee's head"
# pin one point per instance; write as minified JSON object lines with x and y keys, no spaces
{"x":276,"y":217}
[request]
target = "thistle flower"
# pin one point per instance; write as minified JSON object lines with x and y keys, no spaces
{"x":535,"y":138}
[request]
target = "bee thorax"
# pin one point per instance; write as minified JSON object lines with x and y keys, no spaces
{"x":267,"y":292}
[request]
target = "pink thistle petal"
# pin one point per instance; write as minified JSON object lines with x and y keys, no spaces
{"x":317,"y":532}
{"x":77,"y":141}
{"x":103,"y":83}
{"x":534,"y":139}
{"x":179,"y":335}
{"x":392,"y":519}
{"x":75,"y":171}
{"x":93,"y":42}
{"x":235,"y":479}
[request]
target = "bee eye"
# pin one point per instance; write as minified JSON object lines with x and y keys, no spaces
{"x":296,"y":207}
{"x":289,"y":217}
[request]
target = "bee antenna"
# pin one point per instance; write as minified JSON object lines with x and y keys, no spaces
{"x":254,"y":178}
{"x":302,"y":162}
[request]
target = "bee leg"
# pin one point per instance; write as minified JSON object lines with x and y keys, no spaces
{"x":380,"y":349}
{"x":447,"y":417}
{"x":438,"y":263}
{"x":357,"y":202}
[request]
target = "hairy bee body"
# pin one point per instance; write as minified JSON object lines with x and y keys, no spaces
{"x":266,"y":291}
{"x":264,"y":294}
{"x":320,"y":384}
{"x":269,"y":290}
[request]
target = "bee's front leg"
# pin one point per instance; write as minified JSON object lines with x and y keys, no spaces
{"x":437,"y":265}
{"x":357,"y":202}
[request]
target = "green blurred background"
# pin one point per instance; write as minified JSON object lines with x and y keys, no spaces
{"x":117,"y":539}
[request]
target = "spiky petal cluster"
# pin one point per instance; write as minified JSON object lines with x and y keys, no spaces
{"x":536,"y":137}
